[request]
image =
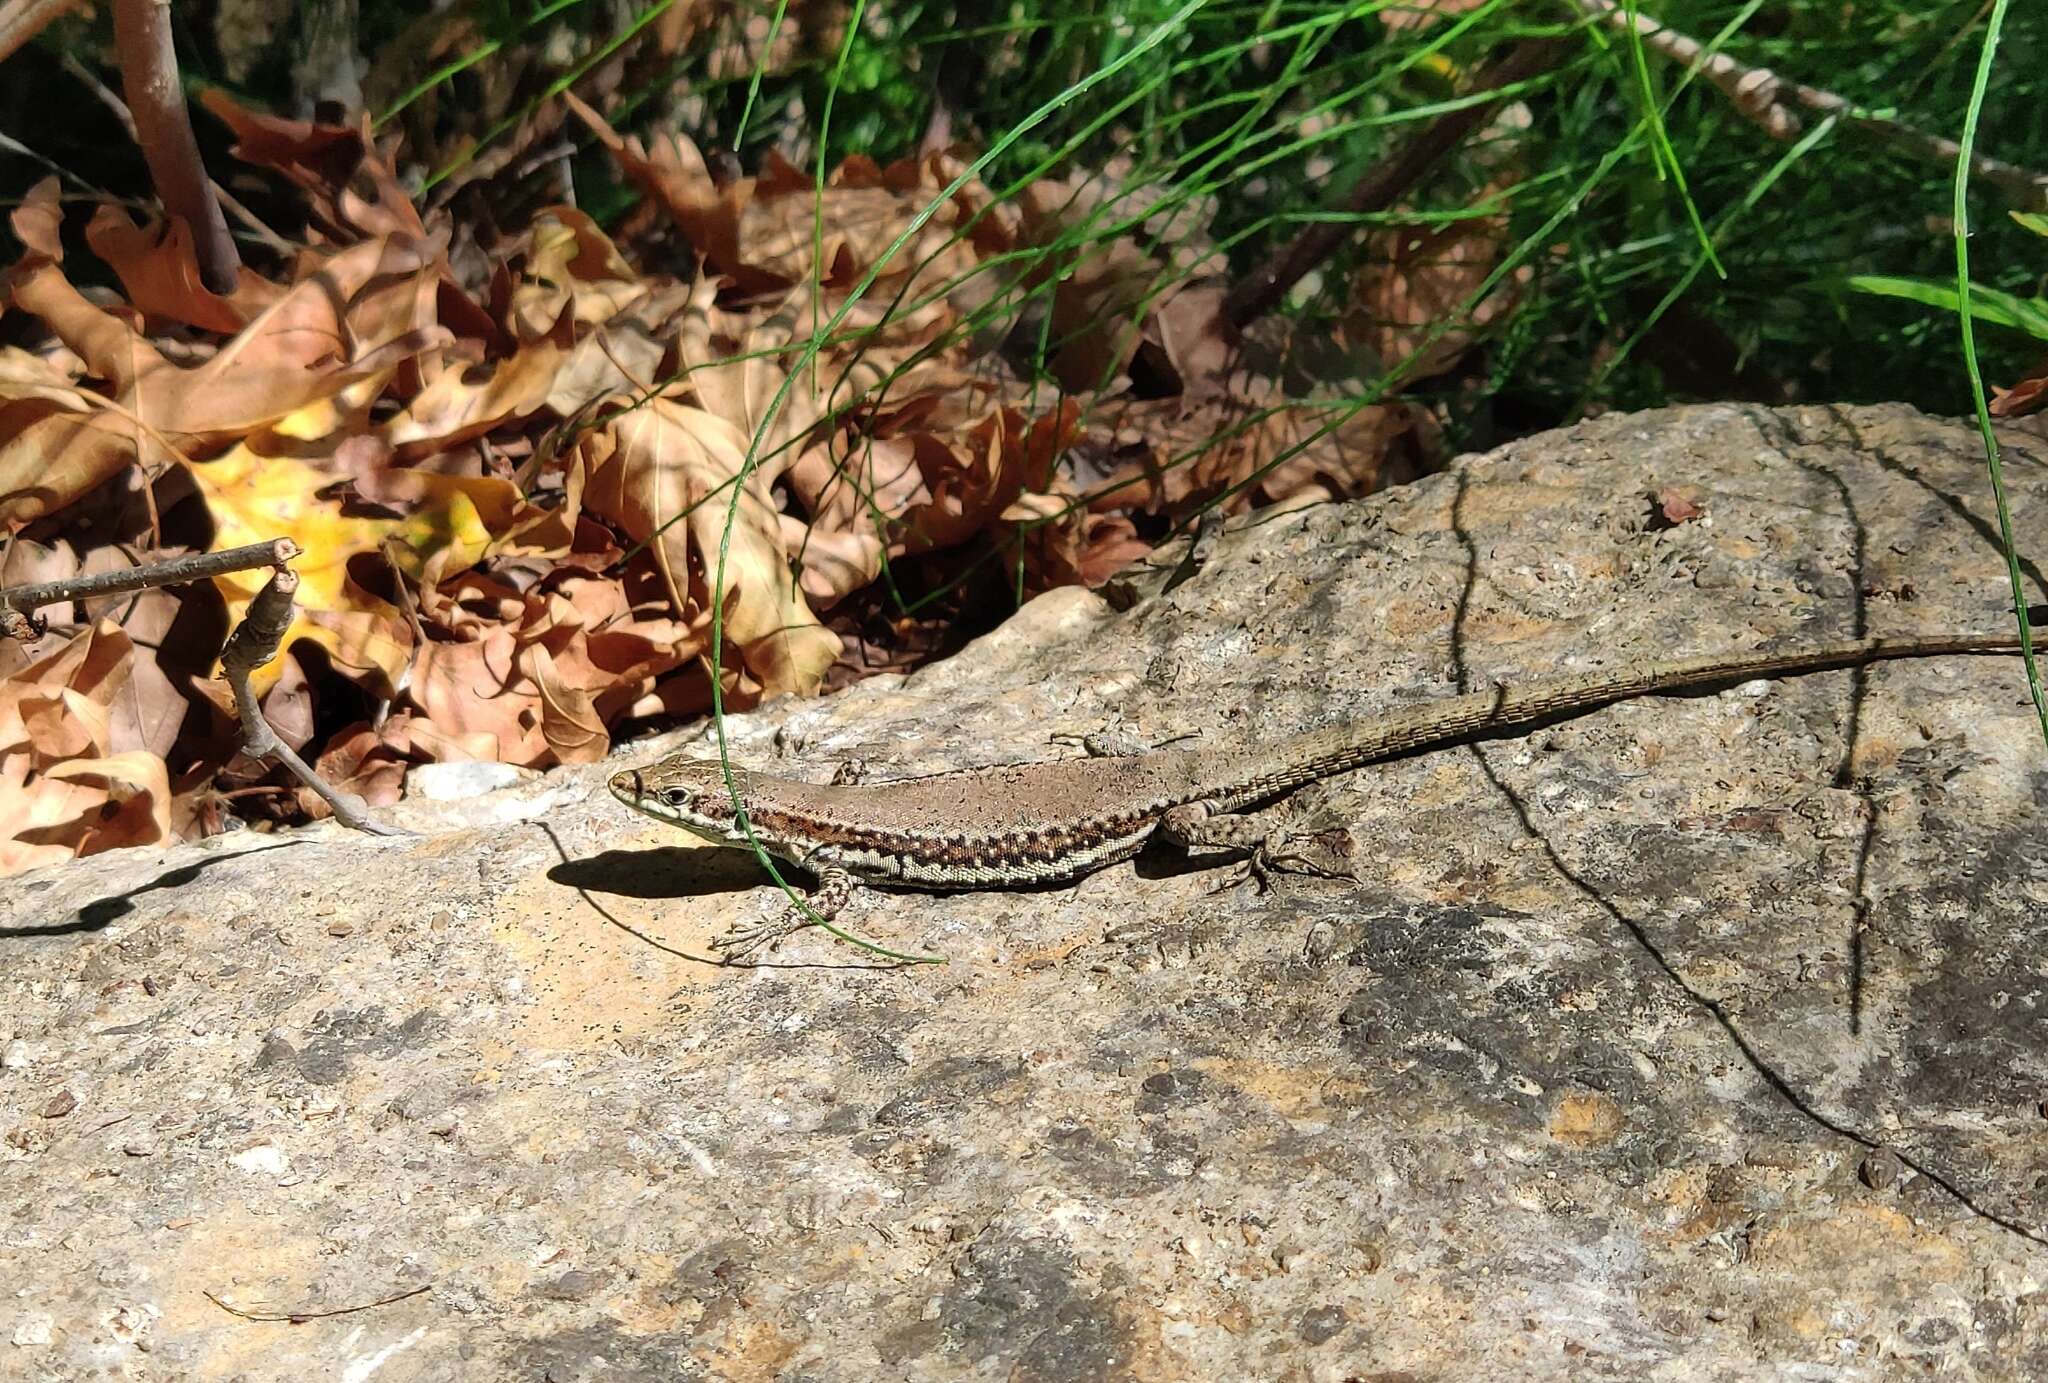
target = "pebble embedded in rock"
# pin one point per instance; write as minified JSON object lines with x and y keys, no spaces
{"x":574,"y":1285}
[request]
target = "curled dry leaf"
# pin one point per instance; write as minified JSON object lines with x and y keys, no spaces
{"x":253,"y":497}
{"x":857,"y":500}
{"x":460,"y":404}
{"x":569,"y":721}
{"x":365,"y":760}
{"x":533,"y":676}
{"x":732,"y":363}
{"x":69,"y":784}
{"x":2023,"y":397}
{"x":1419,"y":278}
{"x":571,"y":271}
{"x":775,"y":232}
{"x":674,"y":175}
{"x":160,"y":274}
{"x":1062,"y":544}
{"x":1247,"y":441}
{"x":329,"y":163}
{"x":586,"y":327}
{"x":352,"y":321}
{"x":665,"y":473}
{"x":84,"y":806}
{"x":918,"y":492}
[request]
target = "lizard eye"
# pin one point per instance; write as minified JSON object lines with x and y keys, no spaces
{"x":675,"y":797}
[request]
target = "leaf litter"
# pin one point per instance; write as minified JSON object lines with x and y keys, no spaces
{"x":511,"y":479}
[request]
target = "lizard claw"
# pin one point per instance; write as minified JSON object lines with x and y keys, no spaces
{"x":1246,"y":873}
{"x":1289,"y":853}
{"x":834,"y":887}
{"x":741,"y":942}
{"x":1319,"y":854}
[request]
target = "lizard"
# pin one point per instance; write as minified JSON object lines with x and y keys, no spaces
{"x":1026,"y":824}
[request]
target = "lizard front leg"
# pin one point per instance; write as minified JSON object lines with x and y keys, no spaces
{"x":835,"y":888}
{"x":1204,"y":826}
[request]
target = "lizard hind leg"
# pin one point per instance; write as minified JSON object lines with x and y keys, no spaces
{"x":835,"y":889}
{"x":1261,"y":836}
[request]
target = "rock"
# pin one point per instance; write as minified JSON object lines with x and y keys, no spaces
{"x":1583,"y":1075}
{"x":574,"y":1285}
{"x":1586,"y":1119}
{"x":265,"y":1159}
{"x":453,"y":782}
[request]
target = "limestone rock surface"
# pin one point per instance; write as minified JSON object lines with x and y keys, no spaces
{"x":1699,"y":1037}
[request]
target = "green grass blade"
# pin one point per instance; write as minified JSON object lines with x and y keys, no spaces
{"x":1963,"y":292}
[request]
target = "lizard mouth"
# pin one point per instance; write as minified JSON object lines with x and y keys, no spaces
{"x":626,"y":786}
{"x":702,"y":810}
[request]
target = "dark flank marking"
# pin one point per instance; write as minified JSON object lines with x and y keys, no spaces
{"x":1042,"y":846}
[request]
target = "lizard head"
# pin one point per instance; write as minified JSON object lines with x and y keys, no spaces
{"x":690,"y":793}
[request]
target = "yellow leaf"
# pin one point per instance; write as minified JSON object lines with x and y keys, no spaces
{"x":254,"y":498}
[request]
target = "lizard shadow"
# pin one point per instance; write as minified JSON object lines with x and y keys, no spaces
{"x":1790,"y":442}
{"x":1888,"y":457}
{"x":662,"y":871}
{"x":696,"y":871}
{"x":677,"y":871}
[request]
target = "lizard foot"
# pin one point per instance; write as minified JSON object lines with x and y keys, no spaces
{"x":741,"y":942}
{"x":835,"y":887}
{"x":1318,"y":854}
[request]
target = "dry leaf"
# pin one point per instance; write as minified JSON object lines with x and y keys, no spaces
{"x":340,"y":326}
{"x":571,"y":270}
{"x":663,"y":473}
{"x":2023,"y":397}
{"x":160,"y":274}
{"x":1416,"y":279}
{"x":66,"y":787}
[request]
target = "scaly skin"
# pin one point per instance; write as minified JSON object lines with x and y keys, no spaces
{"x":1037,"y":823}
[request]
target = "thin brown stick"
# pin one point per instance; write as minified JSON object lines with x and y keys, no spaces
{"x":1762,"y":96}
{"x":149,"y":76}
{"x":1383,"y":186}
{"x":253,"y":643}
{"x":301,"y":1317}
{"x":235,"y":208}
{"x":21,"y":600}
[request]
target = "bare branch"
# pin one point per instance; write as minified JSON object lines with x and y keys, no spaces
{"x":253,"y":643}
{"x":1765,"y":98}
{"x":149,"y":76}
{"x":21,"y":600}
{"x":22,"y":20}
{"x":235,"y":208}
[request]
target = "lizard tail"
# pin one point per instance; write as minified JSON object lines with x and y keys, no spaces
{"x":1504,"y":710}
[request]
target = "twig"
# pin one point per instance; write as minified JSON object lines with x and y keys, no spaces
{"x":17,"y":602}
{"x":21,"y":150}
{"x":227,"y":199}
{"x":1383,"y":185}
{"x":301,"y":1317}
{"x":1763,"y":97}
{"x":254,"y":643}
{"x":149,"y":76}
